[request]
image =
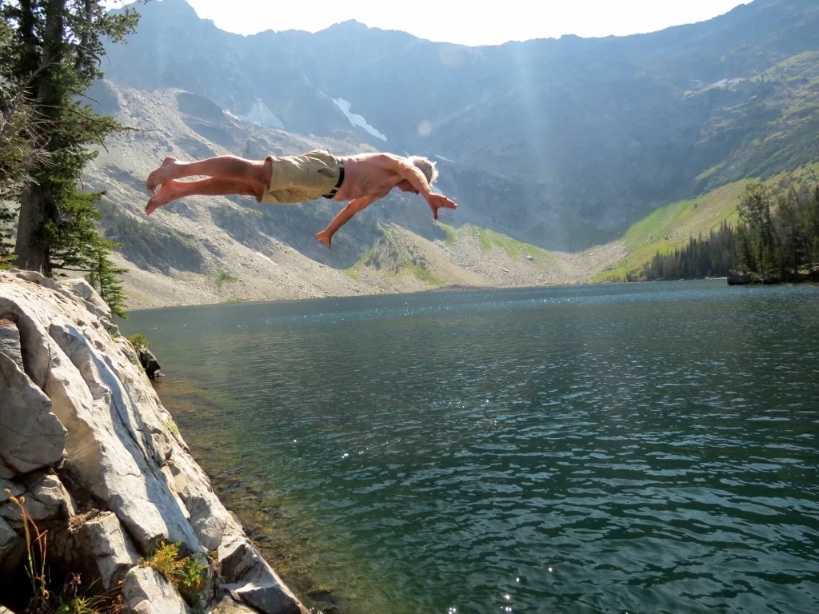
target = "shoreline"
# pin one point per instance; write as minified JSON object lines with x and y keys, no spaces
{"x":258,"y":513}
{"x":456,"y":288}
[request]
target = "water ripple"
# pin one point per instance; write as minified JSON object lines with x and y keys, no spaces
{"x":624,"y":448}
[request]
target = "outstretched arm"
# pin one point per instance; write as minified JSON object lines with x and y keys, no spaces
{"x":419,"y":182}
{"x":344,"y":216}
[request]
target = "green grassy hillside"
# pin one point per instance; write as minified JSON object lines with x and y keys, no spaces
{"x":674,"y":225}
{"x":489,"y":239}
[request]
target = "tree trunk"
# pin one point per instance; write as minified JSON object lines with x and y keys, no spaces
{"x":32,"y":253}
{"x":36,"y":204}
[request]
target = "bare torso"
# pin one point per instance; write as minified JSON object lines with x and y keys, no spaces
{"x":369,"y":175}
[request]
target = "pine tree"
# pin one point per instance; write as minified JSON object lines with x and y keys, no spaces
{"x":52,"y":56}
{"x":104,"y":276}
{"x":18,"y":156}
{"x":7,"y":220}
{"x":761,"y":245}
{"x":711,"y":256}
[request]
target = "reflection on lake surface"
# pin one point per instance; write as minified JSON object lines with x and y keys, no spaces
{"x":640,"y":448}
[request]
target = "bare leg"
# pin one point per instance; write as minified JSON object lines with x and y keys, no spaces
{"x":227,"y":167}
{"x":212,"y":186}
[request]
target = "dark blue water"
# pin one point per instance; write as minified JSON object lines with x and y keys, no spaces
{"x":624,"y":448}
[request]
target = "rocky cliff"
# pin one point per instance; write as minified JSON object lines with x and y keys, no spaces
{"x":101,"y":468}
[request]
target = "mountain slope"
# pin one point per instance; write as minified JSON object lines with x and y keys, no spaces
{"x":565,"y":145}
{"x":561,"y":143}
{"x":214,"y":249}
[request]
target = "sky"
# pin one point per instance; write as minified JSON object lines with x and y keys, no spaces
{"x":466,"y":22}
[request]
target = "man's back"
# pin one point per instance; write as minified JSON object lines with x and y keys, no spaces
{"x":369,"y":175}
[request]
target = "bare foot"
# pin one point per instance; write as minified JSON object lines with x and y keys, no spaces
{"x":166,"y":194}
{"x":162,"y":174}
{"x":326,"y":238}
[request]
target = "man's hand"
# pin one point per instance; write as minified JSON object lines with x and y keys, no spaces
{"x":325,"y":237}
{"x":437,"y":201}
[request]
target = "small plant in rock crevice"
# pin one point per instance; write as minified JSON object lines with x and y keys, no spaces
{"x":138,"y":340}
{"x":35,"y":564}
{"x":187,"y":575}
{"x":70,"y":598}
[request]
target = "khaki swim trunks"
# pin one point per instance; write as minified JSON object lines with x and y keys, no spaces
{"x":299,"y":178}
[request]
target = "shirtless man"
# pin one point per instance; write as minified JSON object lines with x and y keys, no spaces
{"x":361,"y":179}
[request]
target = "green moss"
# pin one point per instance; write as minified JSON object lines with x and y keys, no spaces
{"x":223,"y":276}
{"x":420,"y":272}
{"x":451,"y":234}
{"x":173,"y":429}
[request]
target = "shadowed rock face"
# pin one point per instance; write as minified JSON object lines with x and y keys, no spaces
{"x":88,"y":447}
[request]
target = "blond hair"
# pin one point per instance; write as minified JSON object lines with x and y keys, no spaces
{"x":426,"y":166}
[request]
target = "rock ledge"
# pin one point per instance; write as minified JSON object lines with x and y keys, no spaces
{"x":85,"y":439}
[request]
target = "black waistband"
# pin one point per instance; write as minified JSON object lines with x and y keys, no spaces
{"x":334,"y":191}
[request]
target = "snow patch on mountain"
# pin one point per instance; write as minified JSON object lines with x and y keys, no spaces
{"x":357,"y":120}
